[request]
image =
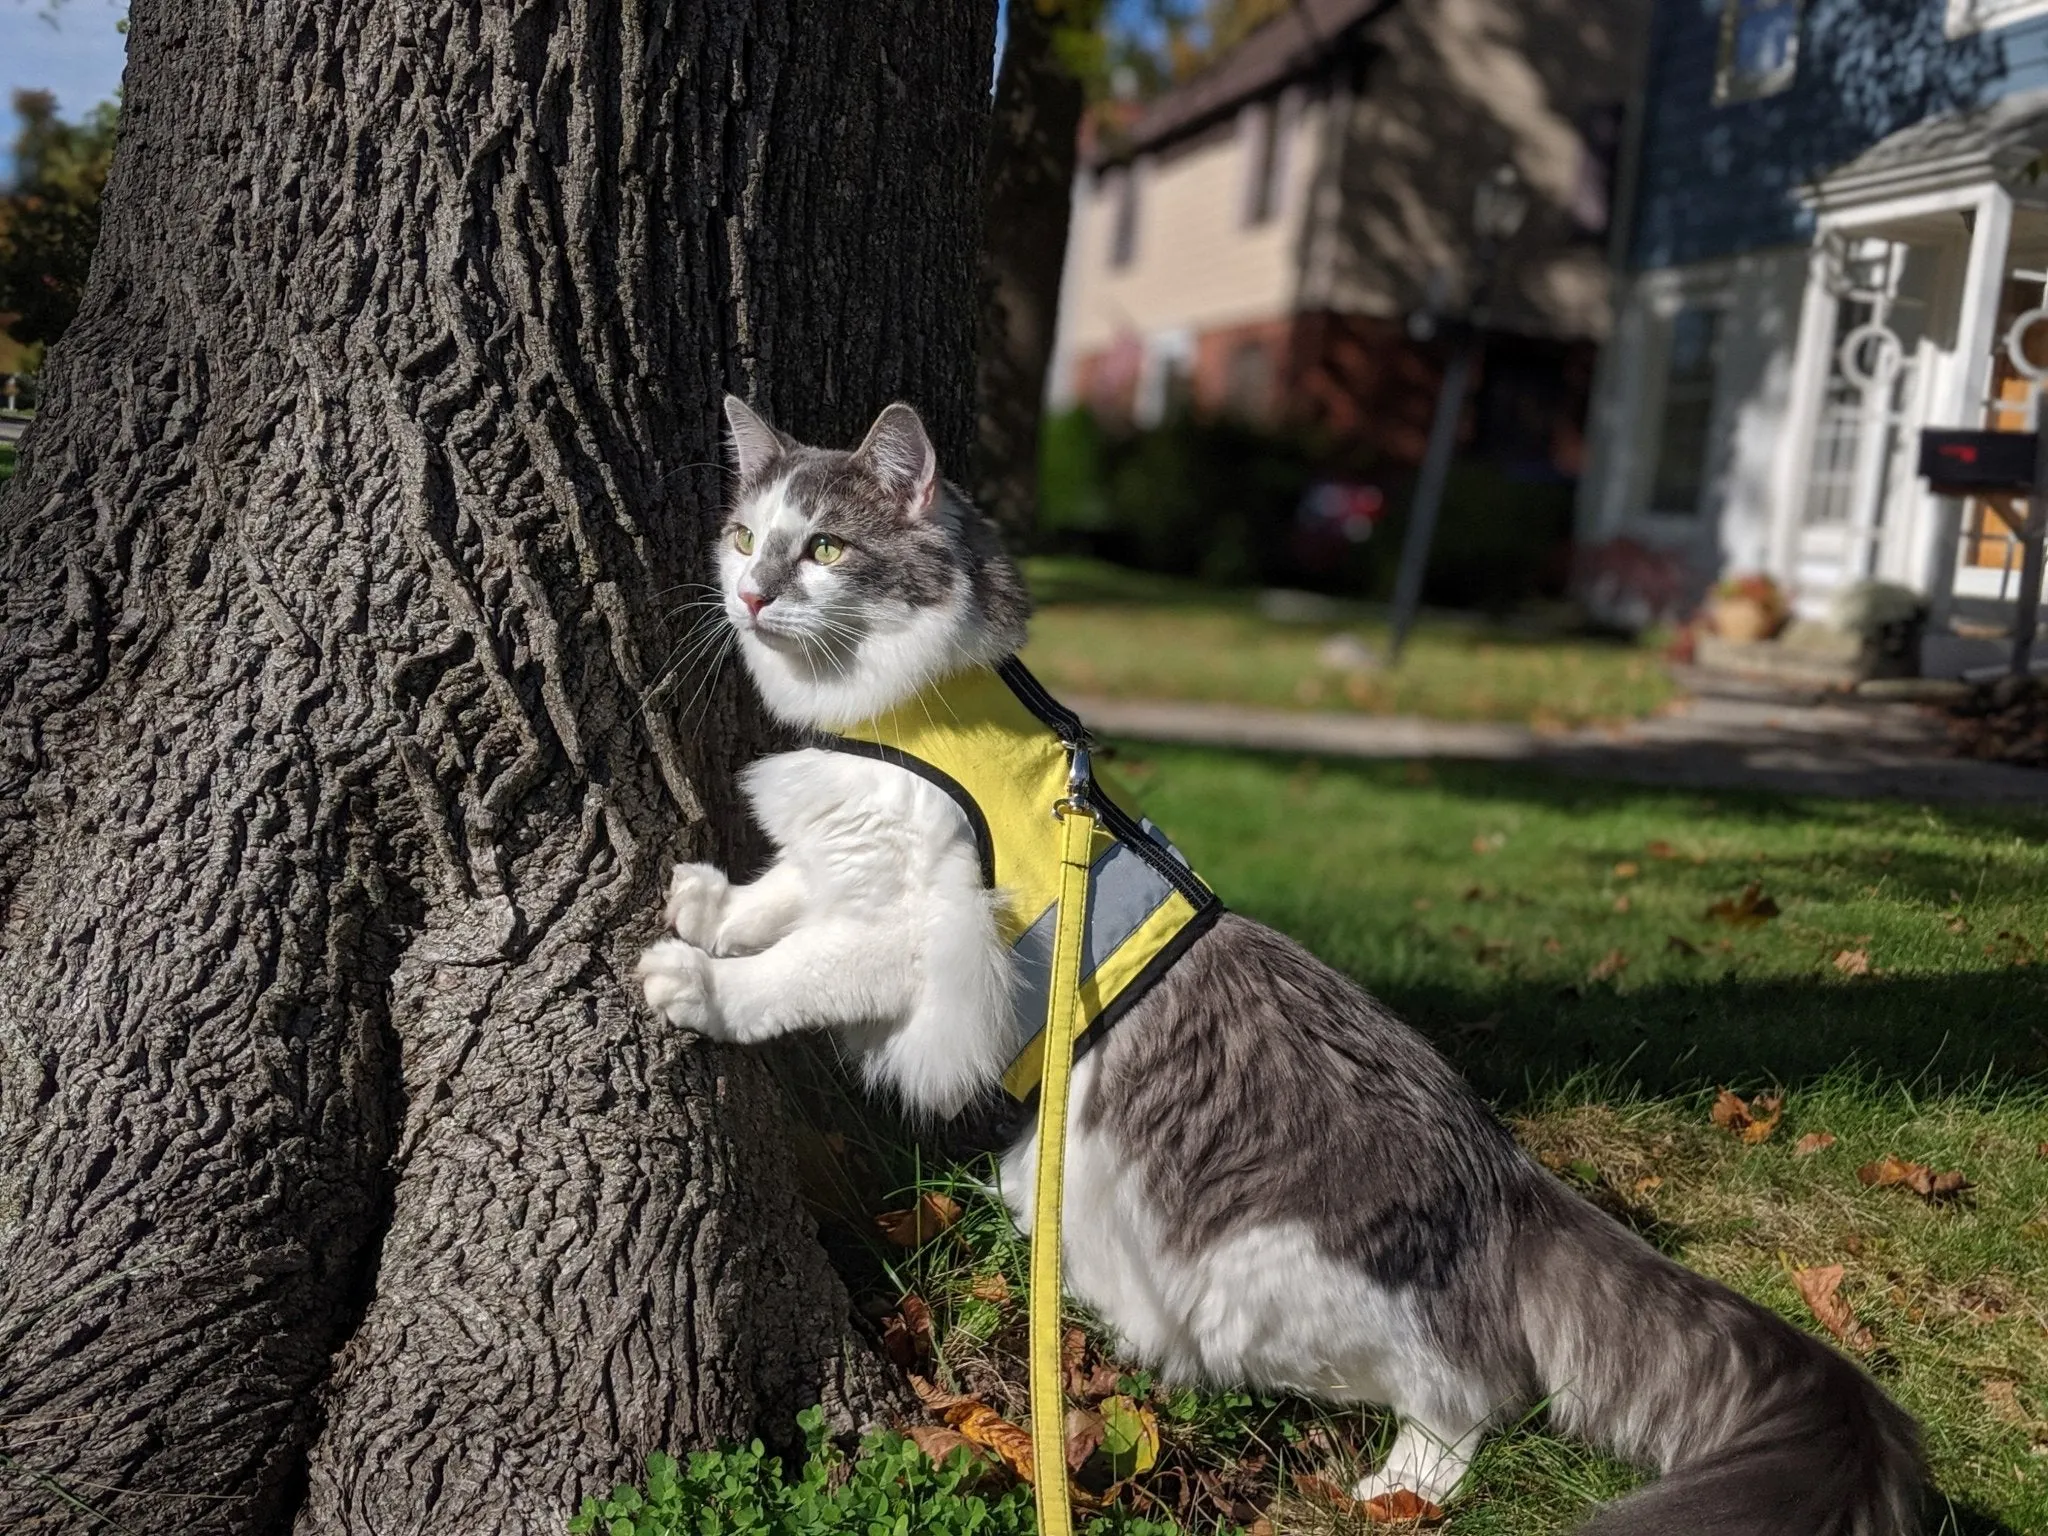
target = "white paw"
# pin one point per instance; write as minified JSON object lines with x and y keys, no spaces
{"x":696,"y":902}
{"x":675,"y":978}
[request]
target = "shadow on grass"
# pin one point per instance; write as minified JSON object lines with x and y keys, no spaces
{"x":1925,"y":1033}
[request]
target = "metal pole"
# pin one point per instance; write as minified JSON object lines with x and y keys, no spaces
{"x":2033,"y":536}
{"x":1429,"y":493}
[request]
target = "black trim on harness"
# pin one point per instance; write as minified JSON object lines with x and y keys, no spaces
{"x":1068,"y":726}
{"x":984,"y":843}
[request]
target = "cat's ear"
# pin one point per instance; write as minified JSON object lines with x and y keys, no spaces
{"x":898,"y":453}
{"x":754,"y":443}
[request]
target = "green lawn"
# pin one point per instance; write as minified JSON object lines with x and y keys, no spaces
{"x":1552,"y":936}
{"x":1103,"y":630}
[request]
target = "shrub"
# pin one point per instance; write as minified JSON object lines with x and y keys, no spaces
{"x":890,"y":1489}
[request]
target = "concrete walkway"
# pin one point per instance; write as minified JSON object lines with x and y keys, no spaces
{"x":1732,"y":738}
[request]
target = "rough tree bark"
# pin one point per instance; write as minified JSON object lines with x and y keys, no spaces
{"x":344,"y":1187}
{"x":1028,"y":202}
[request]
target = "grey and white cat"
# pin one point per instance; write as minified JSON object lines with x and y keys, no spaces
{"x":1271,"y":1181}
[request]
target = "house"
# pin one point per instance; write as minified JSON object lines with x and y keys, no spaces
{"x":1257,"y":241}
{"x":1839,"y":238}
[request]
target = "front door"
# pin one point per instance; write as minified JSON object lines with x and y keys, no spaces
{"x":1860,"y":482}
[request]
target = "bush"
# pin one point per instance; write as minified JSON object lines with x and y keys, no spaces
{"x":890,"y":1489}
{"x":1221,"y":500}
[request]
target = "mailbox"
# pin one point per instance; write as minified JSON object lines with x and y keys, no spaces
{"x":1973,"y":463}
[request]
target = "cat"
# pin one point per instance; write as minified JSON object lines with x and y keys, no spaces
{"x":1271,"y":1182}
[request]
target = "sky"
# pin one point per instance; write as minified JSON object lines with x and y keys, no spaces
{"x":66,"y":46}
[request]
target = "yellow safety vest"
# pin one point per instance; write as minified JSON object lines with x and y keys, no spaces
{"x":1001,"y":747}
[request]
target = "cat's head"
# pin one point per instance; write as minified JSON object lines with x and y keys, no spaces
{"x":856,"y":579}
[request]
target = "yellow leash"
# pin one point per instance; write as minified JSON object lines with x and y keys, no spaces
{"x":1063,"y":1010}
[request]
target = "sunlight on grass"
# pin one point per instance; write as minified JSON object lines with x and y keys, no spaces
{"x":1123,"y":634}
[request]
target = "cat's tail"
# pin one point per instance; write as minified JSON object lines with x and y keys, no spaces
{"x":1759,"y":1428}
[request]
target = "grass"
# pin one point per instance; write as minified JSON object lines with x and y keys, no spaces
{"x":1527,"y":924}
{"x":1105,"y":631}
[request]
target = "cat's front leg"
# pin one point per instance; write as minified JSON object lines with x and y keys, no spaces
{"x":833,"y":973}
{"x":706,"y":909}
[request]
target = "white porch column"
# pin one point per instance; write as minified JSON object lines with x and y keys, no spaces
{"x":1968,"y":384}
{"x":1808,"y":390}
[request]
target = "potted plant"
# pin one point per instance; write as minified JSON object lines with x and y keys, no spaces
{"x":1746,"y":609}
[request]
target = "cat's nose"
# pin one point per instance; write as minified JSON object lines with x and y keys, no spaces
{"x":755,"y":602}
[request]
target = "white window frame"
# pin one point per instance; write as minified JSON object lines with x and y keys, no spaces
{"x":1966,"y":17}
{"x":1662,"y":296}
{"x":1165,"y":353}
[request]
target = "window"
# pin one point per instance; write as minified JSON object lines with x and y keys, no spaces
{"x":1683,"y":439}
{"x":1759,"y":48}
{"x":1122,"y":192}
{"x":1262,"y":130}
{"x":1166,"y":384}
{"x":1966,"y":16}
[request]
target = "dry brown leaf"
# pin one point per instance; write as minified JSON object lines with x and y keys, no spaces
{"x":1627,"y":869}
{"x":1085,"y":1430}
{"x":1422,"y":903}
{"x":1259,"y":1527}
{"x":1812,"y":1142}
{"x":918,"y":1317}
{"x":1752,"y":1121}
{"x":986,"y":1428}
{"x":1552,"y":947}
{"x":990,"y":1288}
{"x":1621,"y":903}
{"x":907,"y":1333}
{"x":1748,"y":910}
{"x":937,"y":1399}
{"x":1934,"y":1188}
{"x":2002,"y":1397}
{"x":1684,"y":947}
{"x":2041,"y":1151}
{"x":1095,"y":1384}
{"x":1649,"y":1183}
{"x":1959,"y":924}
{"x":1821,"y":1289}
{"x":924,"y":1221}
{"x":1073,"y":1350}
{"x":937,"y":1442}
{"x":1612,"y":964}
{"x":1657,"y":848}
{"x":1853,"y":962}
{"x":1401,"y":1507}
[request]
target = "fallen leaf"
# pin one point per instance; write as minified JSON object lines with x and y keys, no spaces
{"x":1685,"y":947}
{"x":990,"y":1288}
{"x":1627,"y":869}
{"x":1489,"y":842}
{"x":1422,"y":903}
{"x":1552,"y":947}
{"x":937,"y":1399}
{"x":1073,"y":1350}
{"x":2002,"y":1397}
{"x":1401,"y":1507}
{"x":2041,"y":1151}
{"x":1657,"y":848}
{"x":1130,"y":1437}
{"x":1748,"y":910}
{"x":1085,"y":1430}
{"x":1959,"y":924}
{"x":1821,"y":1289}
{"x":938,"y":1442}
{"x":1612,"y":964}
{"x":1649,"y":1183}
{"x":1853,"y":962}
{"x":1096,"y":1384}
{"x":1812,"y":1142}
{"x":986,"y":1428}
{"x":907,"y":1333}
{"x":1934,"y":1188}
{"x":1621,"y":903}
{"x":835,"y":1143}
{"x":1259,"y":1527}
{"x":924,"y":1221}
{"x":1475,"y":893}
{"x":1752,"y":1121}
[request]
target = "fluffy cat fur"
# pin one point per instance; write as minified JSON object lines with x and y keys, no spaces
{"x":1270,"y":1180}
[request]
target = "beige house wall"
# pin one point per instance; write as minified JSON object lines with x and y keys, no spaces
{"x":1462,"y":86}
{"x":1196,"y":264}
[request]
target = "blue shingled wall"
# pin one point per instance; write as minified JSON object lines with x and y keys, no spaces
{"x":1720,"y":180}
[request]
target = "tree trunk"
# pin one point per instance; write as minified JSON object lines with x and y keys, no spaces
{"x":1028,"y":201}
{"x":349,"y":722}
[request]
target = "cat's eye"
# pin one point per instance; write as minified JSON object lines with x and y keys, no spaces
{"x":825,"y":549}
{"x":743,"y":540}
